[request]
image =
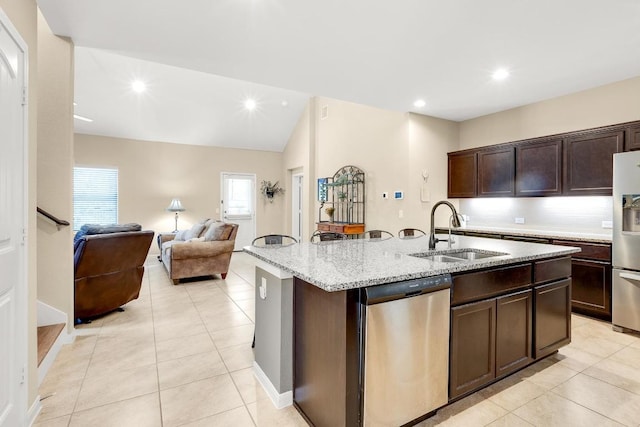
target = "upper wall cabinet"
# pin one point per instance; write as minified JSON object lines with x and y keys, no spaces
{"x":570,"y":164}
{"x":496,"y":172}
{"x":633,"y":138}
{"x":539,"y":168}
{"x":462,"y":170}
{"x":588,"y":162}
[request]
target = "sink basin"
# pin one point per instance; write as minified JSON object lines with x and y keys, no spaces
{"x":458,"y":255}
{"x":439,"y":258}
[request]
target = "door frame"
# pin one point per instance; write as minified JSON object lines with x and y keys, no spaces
{"x":297,"y":211}
{"x":255,"y":197}
{"x":21,"y":313}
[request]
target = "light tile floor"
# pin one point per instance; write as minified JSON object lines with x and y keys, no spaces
{"x":181,"y":356}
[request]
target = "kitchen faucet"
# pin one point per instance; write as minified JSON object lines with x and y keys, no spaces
{"x":455,"y":222}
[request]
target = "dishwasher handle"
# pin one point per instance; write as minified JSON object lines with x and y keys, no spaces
{"x":406,"y":289}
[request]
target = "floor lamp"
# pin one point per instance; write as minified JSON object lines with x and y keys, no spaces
{"x":176,"y":207}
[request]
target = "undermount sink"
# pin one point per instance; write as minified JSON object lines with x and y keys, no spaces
{"x":458,"y":255}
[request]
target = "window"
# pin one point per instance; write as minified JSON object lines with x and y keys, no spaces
{"x":95,"y":196}
{"x":239,"y":196}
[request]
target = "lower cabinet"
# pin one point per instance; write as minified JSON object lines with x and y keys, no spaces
{"x":552,"y":317}
{"x":472,"y":359}
{"x":503,"y":319}
{"x":590,"y":278}
{"x":490,"y":338}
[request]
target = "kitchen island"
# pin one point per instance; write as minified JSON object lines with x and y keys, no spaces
{"x":508,"y":307}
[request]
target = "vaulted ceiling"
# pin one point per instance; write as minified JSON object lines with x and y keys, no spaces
{"x":202,"y":59}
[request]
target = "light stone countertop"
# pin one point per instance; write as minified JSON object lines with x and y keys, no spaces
{"x":340,"y":265}
{"x":604,"y":237}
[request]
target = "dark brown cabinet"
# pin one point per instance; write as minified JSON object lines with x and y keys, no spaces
{"x":491,"y":326}
{"x":591,"y":278}
{"x":632,"y":140}
{"x":588,"y":162}
{"x":462,"y":175}
{"x":473,"y":347}
{"x":496,"y":172}
{"x":539,"y":168}
{"x":513,"y":332}
{"x":552,"y":317}
{"x":490,"y":339}
{"x":571,"y":164}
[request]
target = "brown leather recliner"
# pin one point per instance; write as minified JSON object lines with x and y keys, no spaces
{"x":108,"y":270}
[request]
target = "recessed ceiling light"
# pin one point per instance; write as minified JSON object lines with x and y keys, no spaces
{"x":138,"y":86}
{"x":419,"y":103}
{"x":285,"y":103}
{"x":500,"y":74}
{"x":84,"y":119}
{"x":250,"y":104}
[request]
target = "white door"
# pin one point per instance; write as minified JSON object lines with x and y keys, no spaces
{"x":238,"y":205}
{"x":13,"y":312}
{"x":296,"y":206}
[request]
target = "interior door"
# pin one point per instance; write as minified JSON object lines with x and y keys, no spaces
{"x":238,"y":205}
{"x":296,"y":207}
{"x":13,"y":313}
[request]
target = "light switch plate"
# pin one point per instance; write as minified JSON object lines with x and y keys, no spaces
{"x":519,"y":220}
{"x":607,"y":224}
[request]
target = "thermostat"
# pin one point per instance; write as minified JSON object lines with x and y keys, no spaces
{"x":398,"y":195}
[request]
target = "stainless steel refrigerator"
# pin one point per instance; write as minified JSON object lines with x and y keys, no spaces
{"x":626,"y":241}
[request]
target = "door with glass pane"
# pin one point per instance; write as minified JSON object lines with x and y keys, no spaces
{"x":238,"y":205}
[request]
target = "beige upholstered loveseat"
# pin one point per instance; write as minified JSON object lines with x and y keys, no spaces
{"x":203,"y":250}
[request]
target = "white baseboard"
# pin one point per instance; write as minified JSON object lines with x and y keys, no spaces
{"x":34,"y":411}
{"x":48,"y":315}
{"x":280,"y":400}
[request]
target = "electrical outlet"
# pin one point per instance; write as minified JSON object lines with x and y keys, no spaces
{"x":400,"y":214}
{"x":519,"y":220}
{"x":607,"y":224}
{"x":263,"y":288}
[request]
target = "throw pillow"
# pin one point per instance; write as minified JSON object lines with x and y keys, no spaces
{"x":214,"y":231}
{"x":195,"y":231}
{"x":180,"y":235}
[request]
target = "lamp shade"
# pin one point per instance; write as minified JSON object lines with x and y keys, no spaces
{"x":175,"y":206}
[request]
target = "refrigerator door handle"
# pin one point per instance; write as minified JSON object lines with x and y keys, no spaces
{"x":630,"y":276}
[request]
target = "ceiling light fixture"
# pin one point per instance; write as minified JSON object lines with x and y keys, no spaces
{"x":84,"y":119}
{"x":500,"y":74}
{"x":419,"y":103}
{"x":250,"y":104}
{"x":138,"y":86}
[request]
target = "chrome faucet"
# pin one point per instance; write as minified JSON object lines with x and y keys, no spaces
{"x":455,"y":222}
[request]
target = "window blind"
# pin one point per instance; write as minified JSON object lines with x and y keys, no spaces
{"x":95,"y":196}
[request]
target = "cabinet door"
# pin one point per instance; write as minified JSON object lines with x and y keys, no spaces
{"x":552,"y":317}
{"x":632,"y":141}
{"x":473,"y":345}
{"x":591,"y":288}
{"x":539,"y":168}
{"x":588,"y":162}
{"x":462,"y":175}
{"x":496,"y":172}
{"x":513,"y":332}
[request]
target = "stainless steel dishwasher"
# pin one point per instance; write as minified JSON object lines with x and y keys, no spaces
{"x":406,"y":350}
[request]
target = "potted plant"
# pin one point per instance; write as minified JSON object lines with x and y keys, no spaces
{"x":269,"y":190}
{"x":330,"y":210}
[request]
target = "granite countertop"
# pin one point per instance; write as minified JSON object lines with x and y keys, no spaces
{"x":349,"y":264}
{"x":604,"y":237}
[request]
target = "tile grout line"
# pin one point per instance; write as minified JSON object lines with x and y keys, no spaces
{"x":155,"y":347}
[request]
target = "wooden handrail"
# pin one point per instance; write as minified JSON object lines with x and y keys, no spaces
{"x":59,"y":222}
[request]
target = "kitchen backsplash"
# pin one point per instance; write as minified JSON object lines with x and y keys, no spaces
{"x":573,"y":214}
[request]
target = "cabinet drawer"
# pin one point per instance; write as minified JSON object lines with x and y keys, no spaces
{"x":551,"y":269}
{"x":486,"y":284}
{"x":597,"y":251}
